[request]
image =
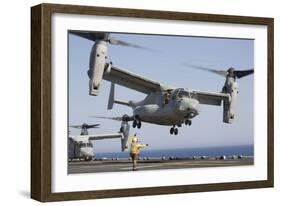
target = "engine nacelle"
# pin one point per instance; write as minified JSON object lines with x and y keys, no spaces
{"x":230,"y":87}
{"x":96,"y":66}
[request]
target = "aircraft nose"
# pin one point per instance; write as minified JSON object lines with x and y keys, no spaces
{"x":188,"y":104}
{"x":193,"y":105}
{"x":87,"y":151}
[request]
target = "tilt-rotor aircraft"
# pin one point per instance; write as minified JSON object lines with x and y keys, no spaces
{"x":164,"y":104}
{"x":81,"y":146}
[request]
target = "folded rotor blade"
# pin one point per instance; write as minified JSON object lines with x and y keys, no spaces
{"x":243,"y":73}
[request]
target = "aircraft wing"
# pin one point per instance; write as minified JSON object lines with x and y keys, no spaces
{"x":95,"y":137}
{"x":210,"y":98}
{"x":130,"y":80}
{"x":105,"y":136}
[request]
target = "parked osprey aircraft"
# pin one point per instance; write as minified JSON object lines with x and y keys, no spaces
{"x":164,"y":104}
{"x":81,"y":146}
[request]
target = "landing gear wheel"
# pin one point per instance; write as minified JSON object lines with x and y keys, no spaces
{"x":187,"y":122}
{"x":176,"y":131}
{"x":139,"y":125}
{"x":172,"y":130}
{"x":134,"y":123}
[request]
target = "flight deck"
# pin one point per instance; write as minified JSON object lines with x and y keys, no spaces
{"x":123,"y":165}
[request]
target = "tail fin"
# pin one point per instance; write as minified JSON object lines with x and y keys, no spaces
{"x":112,"y":100}
{"x":125,"y":129}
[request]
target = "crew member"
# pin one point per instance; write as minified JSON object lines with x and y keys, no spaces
{"x":167,"y":97}
{"x":135,"y":150}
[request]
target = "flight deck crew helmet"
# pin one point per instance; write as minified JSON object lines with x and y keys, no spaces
{"x":134,"y":139}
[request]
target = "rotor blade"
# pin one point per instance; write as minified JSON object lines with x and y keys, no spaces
{"x":90,"y":35}
{"x":93,"y":36}
{"x":219,"y":72}
{"x":243,"y":73}
{"x":123,"y":118}
{"x":93,"y":126}
{"x":85,"y":125}
{"x":123,"y":43}
{"x":76,"y":126}
{"x":112,"y":118}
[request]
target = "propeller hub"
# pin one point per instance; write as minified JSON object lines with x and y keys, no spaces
{"x":84,"y":125}
{"x":231,"y":69}
{"x":231,"y":72}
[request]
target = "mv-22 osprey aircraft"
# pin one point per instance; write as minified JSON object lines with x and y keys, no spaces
{"x":81,"y":146}
{"x":163,"y":105}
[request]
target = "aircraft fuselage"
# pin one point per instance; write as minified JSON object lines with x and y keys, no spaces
{"x":174,"y":111}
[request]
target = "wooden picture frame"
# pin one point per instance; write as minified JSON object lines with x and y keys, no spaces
{"x":41,"y":117}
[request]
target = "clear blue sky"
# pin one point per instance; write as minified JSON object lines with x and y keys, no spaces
{"x":166,"y":66}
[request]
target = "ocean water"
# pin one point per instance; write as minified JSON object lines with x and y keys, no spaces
{"x":245,"y":150}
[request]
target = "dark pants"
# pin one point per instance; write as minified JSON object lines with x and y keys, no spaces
{"x":134,"y":159}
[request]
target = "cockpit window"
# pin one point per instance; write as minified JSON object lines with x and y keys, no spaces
{"x":82,"y":145}
{"x":179,"y":93}
{"x":86,"y":145}
{"x":183,"y":93}
{"x":175,"y":93}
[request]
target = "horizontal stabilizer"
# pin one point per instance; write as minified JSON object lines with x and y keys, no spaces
{"x":105,"y":136}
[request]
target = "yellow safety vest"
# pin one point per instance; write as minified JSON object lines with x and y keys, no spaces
{"x":135,"y":147}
